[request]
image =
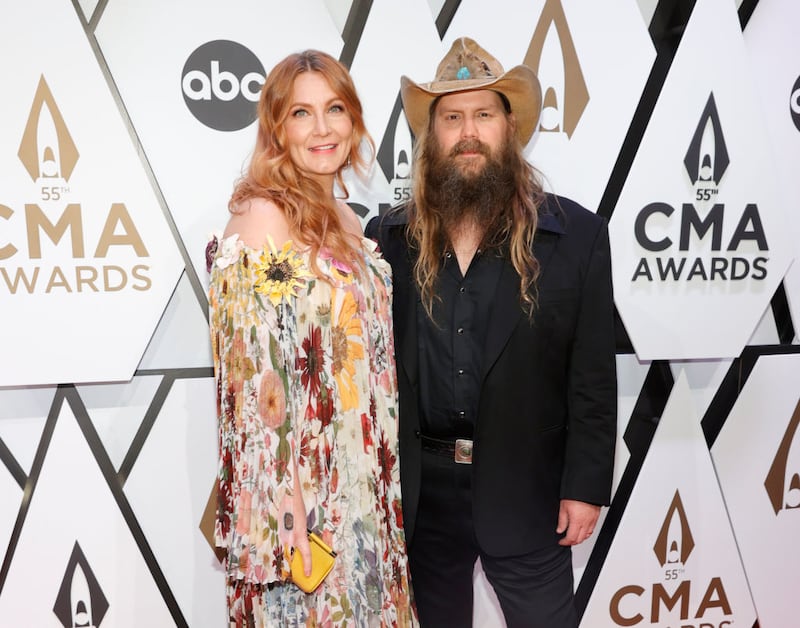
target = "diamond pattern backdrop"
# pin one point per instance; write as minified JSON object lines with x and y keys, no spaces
{"x":107,"y":426}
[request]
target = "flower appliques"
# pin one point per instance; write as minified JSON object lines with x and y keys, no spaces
{"x":338,"y":270}
{"x":230,"y":247}
{"x":346,"y":338}
{"x":272,"y":400}
{"x":211,"y":250}
{"x":280,"y":274}
{"x":311,"y":366}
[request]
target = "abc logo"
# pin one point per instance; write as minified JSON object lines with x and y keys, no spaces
{"x":794,"y":103}
{"x":221,"y":82}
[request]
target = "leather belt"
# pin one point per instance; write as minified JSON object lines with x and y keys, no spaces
{"x":458,"y":449}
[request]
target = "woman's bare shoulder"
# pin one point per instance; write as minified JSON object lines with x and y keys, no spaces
{"x":255,"y":219}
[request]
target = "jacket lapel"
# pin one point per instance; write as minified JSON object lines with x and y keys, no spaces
{"x":507,"y":310}
{"x":405,"y":304}
{"x":407,"y":333}
{"x":505,"y":314}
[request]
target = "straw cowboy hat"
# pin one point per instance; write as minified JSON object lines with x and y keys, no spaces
{"x":466,"y":67}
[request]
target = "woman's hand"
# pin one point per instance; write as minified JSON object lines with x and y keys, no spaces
{"x":299,"y":535}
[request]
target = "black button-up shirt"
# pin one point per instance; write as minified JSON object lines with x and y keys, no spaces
{"x":451,"y":346}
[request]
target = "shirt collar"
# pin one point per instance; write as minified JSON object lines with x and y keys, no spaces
{"x":550,"y":222}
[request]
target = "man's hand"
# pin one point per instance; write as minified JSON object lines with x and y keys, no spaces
{"x":578,"y":519}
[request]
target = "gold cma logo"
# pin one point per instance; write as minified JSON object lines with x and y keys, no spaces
{"x":47,"y":149}
{"x":49,"y":155}
{"x":552,"y":56}
{"x":634,"y":604}
{"x":675,"y":541}
{"x":783,"y":479}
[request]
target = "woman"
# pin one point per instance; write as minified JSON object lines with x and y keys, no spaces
{"x":303,"y":356}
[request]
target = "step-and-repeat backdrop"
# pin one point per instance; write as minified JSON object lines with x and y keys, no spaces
{"x":123,"y":126}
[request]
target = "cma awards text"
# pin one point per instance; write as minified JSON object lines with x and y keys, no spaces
{"x":654,"y":223}
{"x":68,"y":269}
{"x":629,"y":600}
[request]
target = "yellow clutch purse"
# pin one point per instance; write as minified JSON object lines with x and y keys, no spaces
{"x":322,"y":558}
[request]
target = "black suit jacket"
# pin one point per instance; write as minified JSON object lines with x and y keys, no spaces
{"x":546,"y":424}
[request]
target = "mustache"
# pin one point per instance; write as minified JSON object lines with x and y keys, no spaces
{"x":470,"y":146}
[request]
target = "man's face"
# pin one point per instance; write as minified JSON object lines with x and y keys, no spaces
{"x":468,"y":124}
{"x":472,"y":161}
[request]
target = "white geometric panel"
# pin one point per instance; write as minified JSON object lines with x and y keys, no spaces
{"x":88,"y":258}
{"x":674,"y":560}
{"x":87,"y":8}
{"x":78,"y":548}
{"x":436,"y":7}
{"x":631,"y":376}
{"x":486,"y":611}
{"x":774,"y":49}
{"x":698,"y":238}
{"x":181,"y":339}
{"x":23,"y":412}
{"x":587,"y":106}
{"x":757,"y":458}
{"x":168,"y":489}
{"x":117,"y":412}
{"x":766,"y":331}
{"x":704,"y":378}
{"x":11,"y":495}
{"x":648,"y":8}
{"x":339,"y":10}
{"x":196,"y":165}
{"x":386,"y":36}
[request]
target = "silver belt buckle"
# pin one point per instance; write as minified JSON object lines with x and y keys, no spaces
{"x":463,"y":454}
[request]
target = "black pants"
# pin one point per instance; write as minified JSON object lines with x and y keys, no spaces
{"x":534,"y":590}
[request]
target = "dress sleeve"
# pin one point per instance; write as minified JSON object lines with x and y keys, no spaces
{"x":252,"y":341}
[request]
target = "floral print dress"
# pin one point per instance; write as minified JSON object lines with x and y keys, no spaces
{"x":306,"y":384}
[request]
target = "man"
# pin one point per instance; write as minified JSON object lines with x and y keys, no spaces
{"x":503,"y":317}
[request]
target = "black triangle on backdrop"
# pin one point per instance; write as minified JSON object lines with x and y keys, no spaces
{"x":353,"y":29}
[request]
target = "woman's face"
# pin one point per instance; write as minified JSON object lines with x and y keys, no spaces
{"x":319,"y":130}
